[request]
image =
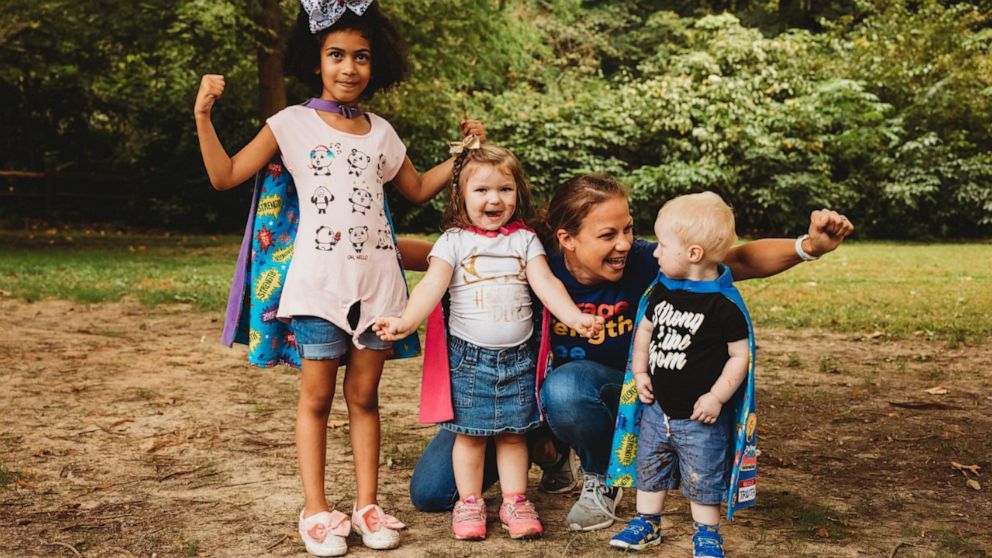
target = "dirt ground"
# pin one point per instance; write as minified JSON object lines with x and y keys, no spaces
{"x":129,"y":431}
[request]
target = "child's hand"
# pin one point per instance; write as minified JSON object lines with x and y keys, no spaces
{"x":473,"y":127}
{"x":645,"y":390}
{"x":707,"y":408}
{"x":390,"y":328}
{"x":211,"y":88}
{"x":588,"y":325}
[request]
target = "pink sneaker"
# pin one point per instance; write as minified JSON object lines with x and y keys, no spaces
{"x":468,"y":519}
{"x":519,"y":517}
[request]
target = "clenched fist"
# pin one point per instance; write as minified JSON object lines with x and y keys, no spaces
{"x":211,"y":88}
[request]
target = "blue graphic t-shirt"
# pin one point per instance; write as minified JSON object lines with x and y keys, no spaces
{"x":615,"y":302}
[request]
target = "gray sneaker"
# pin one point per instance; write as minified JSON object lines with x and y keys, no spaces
{"x":596,"y":506}
{"x":562,"y":475}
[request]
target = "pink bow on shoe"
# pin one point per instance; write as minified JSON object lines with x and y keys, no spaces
{"x":336,"y":523}
{"x":371,"y":518}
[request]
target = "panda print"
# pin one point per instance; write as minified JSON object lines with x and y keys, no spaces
{"x":385,"y":240}
{"x":327,"y":238}
{"x":361,"y":200}
{"x":357,"y":162}
{"x":321,"y":158}
{"x":322,"y":198}
{"x":358,"y":236}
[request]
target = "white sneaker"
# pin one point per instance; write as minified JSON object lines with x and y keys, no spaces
{"x":596,"y":505}
{"x":324,"y":533}
{"x":377,"y":528}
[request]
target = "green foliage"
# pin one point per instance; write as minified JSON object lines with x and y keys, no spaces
{"x":879,"y":108}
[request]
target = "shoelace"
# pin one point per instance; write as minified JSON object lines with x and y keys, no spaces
{"x":598,"y":490}
{"x":468,"y":513}
{"x":522,"y":510}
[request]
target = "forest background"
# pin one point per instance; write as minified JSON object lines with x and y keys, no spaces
{"x":881,"y":109}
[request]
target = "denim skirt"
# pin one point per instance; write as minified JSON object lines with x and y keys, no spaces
{"x":492,"y":390}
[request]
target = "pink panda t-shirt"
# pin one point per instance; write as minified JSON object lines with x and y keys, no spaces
{"x":344,"y":251}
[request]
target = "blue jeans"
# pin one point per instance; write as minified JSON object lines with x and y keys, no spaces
{"x":682,"y":452}
{"x":579,"y":400}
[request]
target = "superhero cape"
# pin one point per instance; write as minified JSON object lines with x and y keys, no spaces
{"x":622,"y":470}
{"x":435,"y":384}
{"x":266,"y":252}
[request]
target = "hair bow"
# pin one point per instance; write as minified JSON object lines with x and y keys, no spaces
{"x":325,"y":13}
{"x":470,"y":141}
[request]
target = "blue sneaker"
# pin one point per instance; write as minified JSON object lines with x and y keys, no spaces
{"x":642,"y":532}
{"x":707,"y":542}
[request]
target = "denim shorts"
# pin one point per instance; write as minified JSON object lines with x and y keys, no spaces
{"x":492,"y":390}
{"x":319,"y":339}
{"x":671,"y":452}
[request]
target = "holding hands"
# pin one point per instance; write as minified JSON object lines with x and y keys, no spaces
{"x":587,"y":325}
{"x":391,"y":328}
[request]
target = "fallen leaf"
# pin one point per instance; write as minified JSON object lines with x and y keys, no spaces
{"x":936,"y":390}
{"x":822,"y":532}
{"x":972,"y":483}
{"x":971,"y":468}
{"x":875,"y":335}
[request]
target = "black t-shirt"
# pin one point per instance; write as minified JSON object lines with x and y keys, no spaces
{"x":689,"y":345}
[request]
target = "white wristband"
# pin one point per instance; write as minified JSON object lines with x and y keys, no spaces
{"x":802,"y":253}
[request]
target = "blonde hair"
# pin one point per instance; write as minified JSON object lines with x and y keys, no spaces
{"x":702,"y":219}
{"x":455,"y":214}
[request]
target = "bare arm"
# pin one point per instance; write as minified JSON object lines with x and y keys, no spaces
{"x":227,"y":172}
{"x":414,"y":253}
{"x":642,"y":344}
{"x":423,"y":299}
{"x":642,"y":347}
{"x":707,"y":407}
{"x":419,"y":188}
{"x":553,"y":295}
{"x":764,"y":258}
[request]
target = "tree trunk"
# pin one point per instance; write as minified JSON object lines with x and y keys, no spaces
{"x":271,"y":88}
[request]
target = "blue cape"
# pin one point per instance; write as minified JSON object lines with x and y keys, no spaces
{"x":622,"y":470}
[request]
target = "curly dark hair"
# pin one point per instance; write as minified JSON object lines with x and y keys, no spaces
{"x":389,"y":51}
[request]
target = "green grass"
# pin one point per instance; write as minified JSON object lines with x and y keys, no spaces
{"x":89,"y":267}
{"x":941,"y":291}
{"x":900,"y":290}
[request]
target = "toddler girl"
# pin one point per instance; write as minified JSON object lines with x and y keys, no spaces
{"x":485,"y":261}
{"x":340,"y":276}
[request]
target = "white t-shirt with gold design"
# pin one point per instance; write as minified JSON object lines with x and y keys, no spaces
{"x":490,"y":303}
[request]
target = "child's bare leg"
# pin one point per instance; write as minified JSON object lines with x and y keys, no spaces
{"x":512,"y":463}
{"x":701,"y":513}
{"x":650,"y":503}
{"x":361,"y":393}
{"x":468,"y":456}
{"x":317,"y":380}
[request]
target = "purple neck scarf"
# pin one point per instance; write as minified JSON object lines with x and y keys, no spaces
{"x":346,"y":111}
